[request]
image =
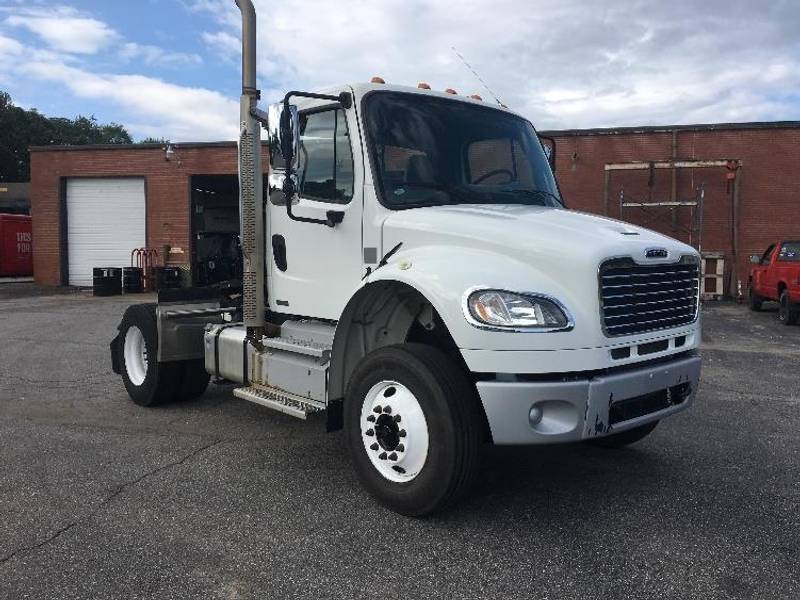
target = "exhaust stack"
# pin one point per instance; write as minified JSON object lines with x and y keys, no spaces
{"x":251,"y":206}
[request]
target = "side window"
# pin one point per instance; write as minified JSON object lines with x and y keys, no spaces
{"x":326,"y":160}
{"x":790,"y":252}
{"x":767,"y":255}
{"x":498,"y":162}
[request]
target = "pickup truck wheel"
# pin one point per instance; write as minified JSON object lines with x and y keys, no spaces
{"x":625,"y":438}
{"x":413,"y":428}
{"x":754,"y":301}
{"x":148,"y":382}
{"x":787,"y":314}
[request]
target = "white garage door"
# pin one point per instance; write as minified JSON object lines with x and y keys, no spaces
{"x":105,"y":221}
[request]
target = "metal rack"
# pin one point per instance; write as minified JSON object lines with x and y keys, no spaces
{"x":654,"y":209}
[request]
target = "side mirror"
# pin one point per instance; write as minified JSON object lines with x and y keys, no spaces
{"x":549,"y":147}
{"x":283,"y":137}
{"x":290,"y":136}
{"x":755,"y":259}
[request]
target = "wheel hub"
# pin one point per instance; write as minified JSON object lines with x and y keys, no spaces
{"x":394,"y":431}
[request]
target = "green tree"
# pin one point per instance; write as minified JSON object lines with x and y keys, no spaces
{"x":155,"y":140}
{"x":20,"y":129}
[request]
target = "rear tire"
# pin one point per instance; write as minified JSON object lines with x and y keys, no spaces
{"x":148,"y":381}
{"x":754,"y":301}
{"x":625,"y":438}
{"x":413,"y":428}
{"x":787,"y":313}
{"x":194,"y":379}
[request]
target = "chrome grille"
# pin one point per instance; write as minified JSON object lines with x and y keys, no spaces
{"x":636,"y":298}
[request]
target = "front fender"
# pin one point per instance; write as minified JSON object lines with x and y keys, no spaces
{"x":443,"y":274}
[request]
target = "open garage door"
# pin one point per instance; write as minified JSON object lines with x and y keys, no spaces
{"x":105,"y":221}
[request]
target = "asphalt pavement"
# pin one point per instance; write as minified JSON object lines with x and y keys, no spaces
{"x":220,"y":498}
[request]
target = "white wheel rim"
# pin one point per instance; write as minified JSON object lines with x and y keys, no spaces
{"x":394,"y":431}
{"x":135,"y":351}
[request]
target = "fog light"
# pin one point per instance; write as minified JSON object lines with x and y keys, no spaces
{"x":535,"y":415}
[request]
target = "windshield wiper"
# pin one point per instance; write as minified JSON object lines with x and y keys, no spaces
{"x":538,"y":194}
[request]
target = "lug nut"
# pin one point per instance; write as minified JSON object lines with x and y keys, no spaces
{"x":402,"y":433}
{"x":382,"y":455}
{"x":396,"y":418}
{"x":371,"y":418}
{"x":370,"y":432}
{"x":374,"y":447}
{"x":393,"y":456}
{"x":388,"y":410}
{"x":401,"y":448}
{"x":377,"y":409}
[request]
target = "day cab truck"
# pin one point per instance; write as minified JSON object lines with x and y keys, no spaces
{"x":775,"y":275}
{"x":413,"y":271}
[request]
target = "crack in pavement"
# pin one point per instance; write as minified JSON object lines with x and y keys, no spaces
{"x":114,"y":494}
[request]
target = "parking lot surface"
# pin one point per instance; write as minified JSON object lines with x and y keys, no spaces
{"x":219,"y":498}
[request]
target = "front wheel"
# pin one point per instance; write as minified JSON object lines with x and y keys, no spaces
{"x":413,"y":428}
{"x":754,"y":301}
{"x":787,"y":314}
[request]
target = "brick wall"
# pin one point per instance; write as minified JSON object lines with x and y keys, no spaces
{"x":166,"y":187}
{"x":769,"y":202}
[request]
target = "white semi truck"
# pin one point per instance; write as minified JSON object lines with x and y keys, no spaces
{"x":412,"y":271}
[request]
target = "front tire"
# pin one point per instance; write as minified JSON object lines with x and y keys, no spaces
{"x":787,"y":314}
{"x":754,"y":301}
{"x":413,"y":428}
{"x":147,"y":381}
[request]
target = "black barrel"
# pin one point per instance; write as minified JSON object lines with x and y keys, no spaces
{"x":166,"y":278}
{"x":107,"y":281}
{"x":132,"y":280}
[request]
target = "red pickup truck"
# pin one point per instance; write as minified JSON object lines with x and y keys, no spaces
{"x":775,"y":275}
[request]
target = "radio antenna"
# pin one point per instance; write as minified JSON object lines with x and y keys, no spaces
{"x":479,"y":78}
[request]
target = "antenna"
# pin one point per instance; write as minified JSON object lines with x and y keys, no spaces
{"x":474,"y":72}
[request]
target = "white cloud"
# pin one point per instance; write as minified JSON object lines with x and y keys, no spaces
{"x":172,"y":111}
{"x":154,"y":55}
{"x":64,"y":29}
{"x":562,"y":64}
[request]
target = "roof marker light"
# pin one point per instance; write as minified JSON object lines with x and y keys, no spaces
{"x":450,"y":91}
{"x":476,"y":97}
{"x":377,"y":79}
{"x":423,"y":86}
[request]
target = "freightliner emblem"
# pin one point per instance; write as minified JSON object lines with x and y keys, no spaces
{"x":656,"y":253}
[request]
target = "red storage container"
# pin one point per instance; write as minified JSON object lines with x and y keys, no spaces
{"x":16,"y":256}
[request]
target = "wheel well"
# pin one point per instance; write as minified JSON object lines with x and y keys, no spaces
{"x":381,"y":314}
{"x":781,"y":286}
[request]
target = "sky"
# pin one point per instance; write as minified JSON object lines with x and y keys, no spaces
{"x":171,"y":68}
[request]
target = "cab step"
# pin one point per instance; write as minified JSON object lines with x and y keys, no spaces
{"x":289,"y":404}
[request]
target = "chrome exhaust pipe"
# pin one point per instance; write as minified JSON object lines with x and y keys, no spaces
{"x":251,"y":191}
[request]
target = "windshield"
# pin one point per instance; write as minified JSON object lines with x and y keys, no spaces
{"x":431,"y":151}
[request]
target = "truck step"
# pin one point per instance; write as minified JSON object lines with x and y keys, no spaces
{"x":279,"y":400}
{"x":309,"y":348}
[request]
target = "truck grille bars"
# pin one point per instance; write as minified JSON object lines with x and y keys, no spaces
{"x":637,"y":298}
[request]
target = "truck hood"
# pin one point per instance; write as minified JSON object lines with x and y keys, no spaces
{"x":528,"y":233}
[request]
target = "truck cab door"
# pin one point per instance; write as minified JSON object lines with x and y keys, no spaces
{"x":313,"y":268}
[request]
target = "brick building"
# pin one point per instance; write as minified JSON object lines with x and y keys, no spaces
{"x":174,"y":186}
{"x":193,"y":188}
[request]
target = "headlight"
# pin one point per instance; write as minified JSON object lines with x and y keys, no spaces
{"x":507,"y":309}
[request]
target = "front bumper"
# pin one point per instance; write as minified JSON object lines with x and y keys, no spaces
{"x":594,"y":406}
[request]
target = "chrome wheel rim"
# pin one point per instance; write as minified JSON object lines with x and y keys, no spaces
{"x":135,"y":351}
{"x":394,"y":431}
